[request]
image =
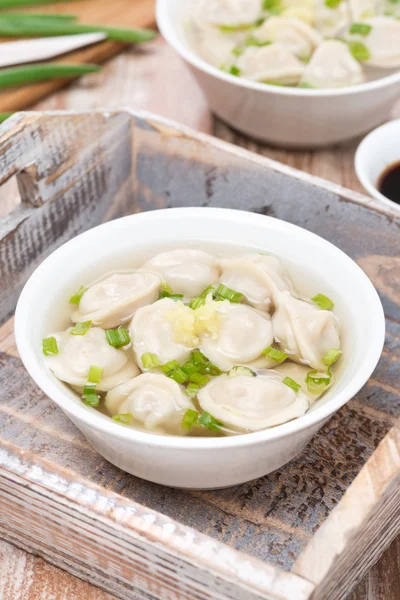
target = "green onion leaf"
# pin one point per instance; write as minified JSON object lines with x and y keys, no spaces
{"x":189,"y":419}
{"x":81,"y":328}
{"x":225,"y":293}
{"x":210,"y":369}
{"x":178,"y":375}
{"x":241,"y":371}
{"x":192,"y":390}
{"x":361,"y":28}
{"x":49,"y":346}
{"x":291,"y":383}
{"x":124,"y":419}
{"x":323,"y":301}
{"x":4,"y":116}
{"x":209,"y":422}
{"x":95,"y":374}
{"x":15,"y":3}
{"x":197,"y":302}
{"x":150,"y":361}
{"x":89,"y":395}
{"x":198,"y":358}
{"x":76,"y":298}
{"x":118,"y":337}
{"x":359,"y":50}
{"x":332,"y":3}
{"x":274,"y":354}
{"x":169,"y":366}
{"x":41,"y":72}
{"x":318,"y":382}
{"x":199,"y":379}
{"x":189,"y":367}
{"x":331,"y":356}
{"x":172,"y":296}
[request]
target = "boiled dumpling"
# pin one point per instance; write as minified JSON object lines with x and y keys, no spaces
{"x":303,"y":331}
{"x":233,"y":13}
{"x":187,"y":272}
{"x":77,"y":353}
{"x":273,"y":64}
{"x":382,"y":42}
{"x":299,"y":374}
{"x":243,"y":334}
{"x":305,"y":11}
{"x":155,"y":401}
{"x":390,"y":8}
{"x":294,"y":34}
{"x":247,"y":403}
{"x":214,"y":46}
{"x":331,"y":66}
{"x":257,"y":276}
{"x":113,"y":300}
{"x":331,"y":21}
{"x":152,"y":332}
{"x":364,"y":9}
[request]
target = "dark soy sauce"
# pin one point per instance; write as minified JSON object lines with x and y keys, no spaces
{"x":389,"y":183}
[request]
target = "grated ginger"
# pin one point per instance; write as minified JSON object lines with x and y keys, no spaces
{"x":190,"y":325}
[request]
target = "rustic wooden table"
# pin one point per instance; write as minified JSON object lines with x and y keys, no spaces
{"x":155,"y":79}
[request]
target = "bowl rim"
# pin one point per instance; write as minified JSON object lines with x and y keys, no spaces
{"x":359,"y":163}
{"x":168,"y":31}
{"x":91,"y":418}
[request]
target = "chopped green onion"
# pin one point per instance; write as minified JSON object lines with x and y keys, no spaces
{"x":252,"y":41}
{"x":49,"y":346}
{"x":323,"y":301}
{"x":210,"y":369}
{"x":361,"y":28}
{"x":41,"y":72}
{"x":234,"y":28}
{"x":81,"y":328}
{"x":169,"y":366}
{"x":4,"y":116}
{"x":332,"y":3}
{"x":124,"y":419}
{"x":239,"y":371}
{"x":189,"y":419}
{"x":226,"y":293}
{"x":274,"y":354}
{"x":189,"y":367}
{"x":192,"y":390}
{"x":198,"y":358}
{"x":359,"y":50}
{"x":238,"y":51}
{"x":273,"y":6}
{"x":166,"y":292}
{"x":178,"y":375}
{"x":318,"y":382}
{"x":89,"y":395}
{"x":331,"y":356}
{"x":150,"y":361}
{"x":197,"y":302}
{"x":234,"y":70}
{"x":118,"y":337}
{"x":199,"y":379}
{"x":76,"y":298}
{"x":95,"y":374}
{"x":278,"y":83}
{"x":306,"y":86}
{"x":291,"y":383}
{"x":209,"y":422}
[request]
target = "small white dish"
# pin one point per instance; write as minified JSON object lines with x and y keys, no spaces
{"x":191,"y":462}
{"x":378,"y":150}
{"x":284,"y":116}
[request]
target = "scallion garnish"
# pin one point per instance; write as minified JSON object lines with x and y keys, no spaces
{"x":237,"y":51}
{"x":234,"y":70}
{"x":150,"y":361}
{"x":190,"y":419}
{"x":317,"y":382}
{"x":291,"y":383}
{"x":306,"y":86}
{"x":275,"y":354}
{"x":76,"y":298}
{"x":210,"y":369}
{"x":89,"y":395}
{"x":224,"y":293}
{"x":198,"y":358}
{"x":209,"y":422}
{"x":118,"y":337}
{"x":166,"y":292}
{"x":252,"y":41}
{"x":332,"y":3}
{"x":178,"y":375}
{"x":81,"y":328}
{"x":361,"y":28}
{"x":124,"y":419}
{"x":197,"y":302}
{"x":192,"y":389}
{"x":234,"y":28}
{"x":169,"y":366}
{"x":331,"y":356}
{"x":323,"y":301}
{"x":239,"y":371}
{"x":49,"y":346}
{"x":189,"y":367}
{"x":272,"y":6}
{"x":199,"y":379}
{"x":95,"y":374}
{"x":359,"y":50}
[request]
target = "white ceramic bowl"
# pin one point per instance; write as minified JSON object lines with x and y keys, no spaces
{"x":199,"y":462}
{"x":379,"y":150}
{"x":284,"y":116}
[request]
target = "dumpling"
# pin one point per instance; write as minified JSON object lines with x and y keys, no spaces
{"x":299,"y":374}
{"x":331,"y":21}
{"x":257,"y":276}
{"x":247,"y":403}
{"x":243,"y":334}
{"x":390,"y":8}
{"x":364,"y":9}
{"x":305,"y":332}
{"x":155,"y":401}
{"x":77,"y":353}
{"x":113,"y":300}
{"x":271,"y":64}
{"x":215,"y":47}
{"x":152,"y":331}
{"x":332,"y":66}
{"x":294,"y":34}
{"x":382,"y":42}
{"x":187,"y":272}
{"x":233,"y":13}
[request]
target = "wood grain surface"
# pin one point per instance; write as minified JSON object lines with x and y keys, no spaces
{"x":137,"y":79}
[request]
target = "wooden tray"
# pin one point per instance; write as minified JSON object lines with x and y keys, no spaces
{"x":118,"y":13}
{"x":311,"y":529}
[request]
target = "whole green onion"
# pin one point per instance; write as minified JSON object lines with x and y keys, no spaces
{"x":46,"y":18}
{"x":42,"y":72}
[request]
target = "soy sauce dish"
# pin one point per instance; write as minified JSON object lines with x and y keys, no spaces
{"x":199,"y":362}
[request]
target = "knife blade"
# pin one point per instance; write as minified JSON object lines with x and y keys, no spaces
{"x":27,"y":51}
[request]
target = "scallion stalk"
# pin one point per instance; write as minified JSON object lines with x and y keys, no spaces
{"x":81,"y":328}
{"x":224,"y":293}
{"x":331,"y":356}
{"x":189,"y":419}
{"x":199,"y":379}
{"x":274,"y":354}
{"x":42,"y":72}
{"x":169,"y":366}
{"x":50,"y":346}
{"x":118,"y":337}
{"x":323,"y":301}
{"x":89,"y":395}
{"x":76,"y":298}
{"x":178,"y":375}
{"x":15,"y":3}
{"x":192,"y":389}
{"x":291,"y":383}
{"x":150,"y":361}
{"x":318,"y":382}
{"x":209,"y":422}
{"x":124,"y":419}
{"x":95,"y":374}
